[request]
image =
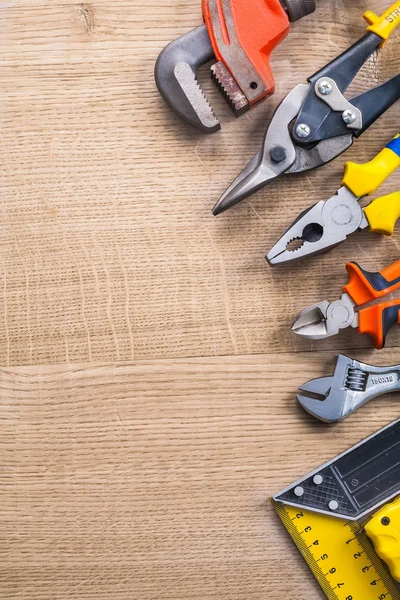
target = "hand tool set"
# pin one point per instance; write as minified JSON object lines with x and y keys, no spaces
{"x":345,"y":516}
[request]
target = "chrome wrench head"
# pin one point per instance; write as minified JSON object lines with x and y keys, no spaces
{"x":176,"y":79}
{"x":351,"y":386}
{"x":336,"y":400}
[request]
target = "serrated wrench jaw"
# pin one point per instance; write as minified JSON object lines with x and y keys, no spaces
{"x":176,"y":78}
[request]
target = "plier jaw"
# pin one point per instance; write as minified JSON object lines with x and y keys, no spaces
{"x":326,"y":319}
{"x":320,"y":228}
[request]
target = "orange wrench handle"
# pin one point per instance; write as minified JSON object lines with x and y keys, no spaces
{"x":257,"y":27}
{"x":377,"y":321}
{"x":363,"y":286}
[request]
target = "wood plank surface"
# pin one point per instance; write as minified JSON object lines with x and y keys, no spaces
{"x":151,"y":480}
{"x":108,"y":247}
{"x":147,"y":368}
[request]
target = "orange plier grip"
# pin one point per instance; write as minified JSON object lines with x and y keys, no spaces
{"x":256,"y":28}
{"x":364,"y":287}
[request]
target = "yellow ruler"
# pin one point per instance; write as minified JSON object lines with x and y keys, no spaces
{"x":339,"y":554}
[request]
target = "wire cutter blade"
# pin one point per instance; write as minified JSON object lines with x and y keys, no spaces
{"x":325,"y":319}
{"x":355,"y":308}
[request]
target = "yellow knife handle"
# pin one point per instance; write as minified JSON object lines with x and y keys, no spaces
{"x":384,"y":532}
{"x":364,"y":179}
{"x":385,"y":24}
{"x":383,"y":213}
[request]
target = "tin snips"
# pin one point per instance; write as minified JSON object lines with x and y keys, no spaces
{"x":315,"y":123}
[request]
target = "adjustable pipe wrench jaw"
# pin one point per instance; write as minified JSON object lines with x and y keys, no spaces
{"x":240,"y":36}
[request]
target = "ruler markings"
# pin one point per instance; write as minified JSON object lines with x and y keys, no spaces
{"x":339,"y":555}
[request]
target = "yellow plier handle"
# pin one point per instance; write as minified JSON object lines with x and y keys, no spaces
{"x":383,"y":213}
{"x":385,"y":24}
{"x":364,"y":179}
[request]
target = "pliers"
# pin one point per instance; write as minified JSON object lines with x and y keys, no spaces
{"x":325,"y":319}
{"x":328,"y":223}
{"x":332,"y":399}
{"x":325,"y":122}
{"x":240,"y":36}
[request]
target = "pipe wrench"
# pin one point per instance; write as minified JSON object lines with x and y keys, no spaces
{"x":239,"y":35}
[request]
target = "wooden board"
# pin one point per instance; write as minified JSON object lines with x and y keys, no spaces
{"x":152,"y":479}
{"x":148,"y":372}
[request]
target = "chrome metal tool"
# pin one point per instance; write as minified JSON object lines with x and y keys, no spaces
{"x":353,"y":384}
{"x":328,"y":223}
{"x":315,"y":123}
{"x":239,"y":36}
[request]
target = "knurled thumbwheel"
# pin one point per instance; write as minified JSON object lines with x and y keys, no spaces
{"x":297,"y":9}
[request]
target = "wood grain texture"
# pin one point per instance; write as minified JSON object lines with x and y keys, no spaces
{"x":151,"y":479}
{"x":147,"y":388}
{"x":108,"y":247}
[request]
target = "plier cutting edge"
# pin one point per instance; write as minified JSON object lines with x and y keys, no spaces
{"x":325,"y":319}
{"x":328,"y":223}
{"x":315,"y":123}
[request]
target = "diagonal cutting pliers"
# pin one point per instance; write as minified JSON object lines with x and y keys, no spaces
{"x":315,"y":123}
{"x":328,"y":223}
{"x":325,"y":319}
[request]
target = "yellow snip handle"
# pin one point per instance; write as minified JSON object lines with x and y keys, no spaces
{"x":385,"y":24}
{"x":364,"y":179}
{"x":383,"y":213}
{"x":384,"y":532}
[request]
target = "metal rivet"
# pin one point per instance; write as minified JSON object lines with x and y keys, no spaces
{"x":318,"y":479}
{"x":299,"y":491}
{"x":333,"y":505}
{"x":303,"y":130}
{"x":349,"y":116}
{"x":278,"y":154}
{"x":325,"y":87}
